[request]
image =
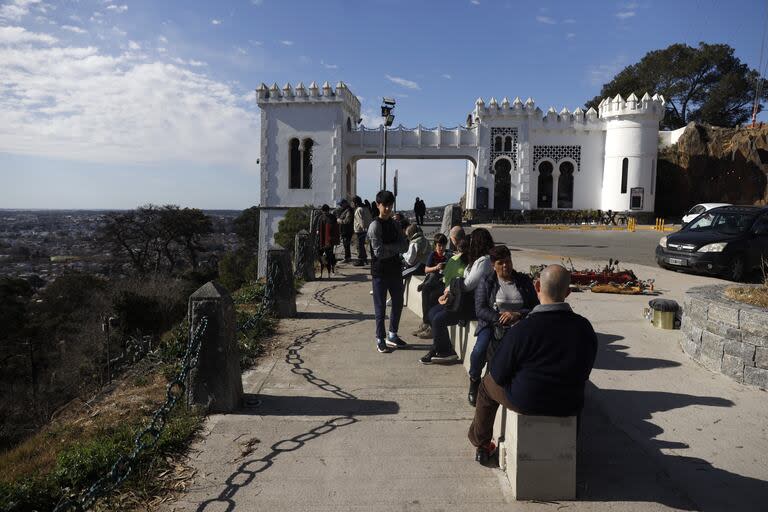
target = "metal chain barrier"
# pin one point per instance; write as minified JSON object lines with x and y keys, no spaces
{"x":148,"y":437}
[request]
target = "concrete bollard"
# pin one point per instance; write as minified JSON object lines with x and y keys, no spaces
{"x":451,"y":217}
{"x":215,"y":382}
{"x":303,"y":257}
{"x":284,"y":294}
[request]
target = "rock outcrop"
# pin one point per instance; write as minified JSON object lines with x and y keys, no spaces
{"x":713,"y":164}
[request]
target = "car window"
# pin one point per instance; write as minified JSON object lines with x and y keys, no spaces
{"x":695,"y":210}
{"x":761,"y":225}
{"x":725,"y":222}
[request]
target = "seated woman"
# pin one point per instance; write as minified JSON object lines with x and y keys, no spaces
{"x":502,"y":298}
{"x":415,"y":258}
{"x":440,"y":318}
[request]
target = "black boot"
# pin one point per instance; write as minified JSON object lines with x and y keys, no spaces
{"x":474,"y":385}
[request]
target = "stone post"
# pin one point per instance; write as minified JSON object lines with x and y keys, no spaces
{"x":215,"y":382}
{"x":451,"y":217}
{"x":284,"y":294}
{"x":304,"y":260}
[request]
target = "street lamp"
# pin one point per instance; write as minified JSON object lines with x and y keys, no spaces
{"x":388,"y":105}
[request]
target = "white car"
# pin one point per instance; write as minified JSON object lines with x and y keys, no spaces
{"x":699,"y":209}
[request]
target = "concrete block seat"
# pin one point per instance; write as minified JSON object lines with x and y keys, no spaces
{"x":537,"y":453}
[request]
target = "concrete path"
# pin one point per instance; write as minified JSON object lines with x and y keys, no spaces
{"x":331,"y":424}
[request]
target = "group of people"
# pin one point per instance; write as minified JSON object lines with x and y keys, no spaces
{"x":538,"y":352}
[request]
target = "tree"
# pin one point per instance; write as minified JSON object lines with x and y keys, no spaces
{"x":707,"y":84}
{"x":247,"y":227}
{"x":294,"y":221}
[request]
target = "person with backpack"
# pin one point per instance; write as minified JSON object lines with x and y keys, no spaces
{"x":328,"y":238}
{"x":388,"y":242}
{"x":345,"y":216}
{"x":362,"y":220}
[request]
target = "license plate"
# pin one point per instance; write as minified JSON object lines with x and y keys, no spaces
{"x":678,"y":261}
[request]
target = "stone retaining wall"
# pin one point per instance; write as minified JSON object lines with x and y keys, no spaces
{"x":726,"y":336}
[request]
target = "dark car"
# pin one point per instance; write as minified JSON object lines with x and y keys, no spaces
{"x":730,"y":241}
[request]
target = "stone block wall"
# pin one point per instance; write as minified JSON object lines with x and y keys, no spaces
{"x":726,"y":336}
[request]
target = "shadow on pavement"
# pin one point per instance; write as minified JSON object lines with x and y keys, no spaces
{"x":611,"y":357}
{"x":335,"y":316}
{"x":623,"y":460}
{"x":280,"y":405}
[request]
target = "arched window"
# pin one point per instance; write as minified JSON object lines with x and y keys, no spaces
{"x":294,"y":163}
{"x":624,"y":173}
{"x":507,"y":144}
{"x":502,"y":187}
{"x":497,"y":144}
{"x":653,"y":176}
{"x":306,"y":164}
{"x":349,"y":125}
{"x":565,"y":186}
{"x":349,"y":180}
{"x":545,"y":185}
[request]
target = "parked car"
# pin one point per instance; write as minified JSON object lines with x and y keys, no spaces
{"x":729,"y":241}
{"x":699,"y":209}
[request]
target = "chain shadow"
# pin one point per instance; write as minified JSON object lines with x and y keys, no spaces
{"x":624,"y":460}
{"x":610,"y":356}
{"x":247,"y":471}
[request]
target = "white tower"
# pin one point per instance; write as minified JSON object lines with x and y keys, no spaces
{"x":631,"y":146}
{"x":302,"y":163}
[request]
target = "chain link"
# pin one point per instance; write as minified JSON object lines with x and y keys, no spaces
{"x":146,"y":438}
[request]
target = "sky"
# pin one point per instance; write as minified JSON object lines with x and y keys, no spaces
{"x":114,"y":104}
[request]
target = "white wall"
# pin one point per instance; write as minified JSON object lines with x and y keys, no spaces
{"x":636,"y":140}
{"x":667,"y":137}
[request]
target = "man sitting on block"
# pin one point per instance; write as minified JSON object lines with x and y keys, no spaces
{"x":541,"y":366}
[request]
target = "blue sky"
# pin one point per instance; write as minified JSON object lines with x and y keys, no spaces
{"x":113,"y":104}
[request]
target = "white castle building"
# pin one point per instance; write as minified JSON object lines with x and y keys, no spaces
{"x":518,"y":157}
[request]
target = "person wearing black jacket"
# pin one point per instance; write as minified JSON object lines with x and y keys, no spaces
{"x":541,"y":366}
{"x":387,"y":244}
{"x":501,"y":299}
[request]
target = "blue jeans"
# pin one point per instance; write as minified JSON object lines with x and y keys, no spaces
{"x":477,"y":358}
{"x":382,"y":285}
{"x":440,"y":319}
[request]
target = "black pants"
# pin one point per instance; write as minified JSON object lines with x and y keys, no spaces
{"x":362,"y":256}
{"x":347,"y":243}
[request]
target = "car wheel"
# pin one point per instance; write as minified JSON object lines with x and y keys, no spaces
{"x":737,"y":268}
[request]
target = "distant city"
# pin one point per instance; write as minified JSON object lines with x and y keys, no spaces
{"x":40,"y":245}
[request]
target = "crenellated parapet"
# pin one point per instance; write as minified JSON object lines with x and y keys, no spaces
{"x":618,"y":107}
{"x":266,"y":95}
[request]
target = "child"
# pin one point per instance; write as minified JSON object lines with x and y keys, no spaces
{"x":432,"y":287}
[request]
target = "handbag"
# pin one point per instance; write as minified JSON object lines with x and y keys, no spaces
{"x":460,"y":301}
{"x":497,"y":334}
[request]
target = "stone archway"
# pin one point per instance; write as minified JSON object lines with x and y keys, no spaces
{"x":502,"y":185}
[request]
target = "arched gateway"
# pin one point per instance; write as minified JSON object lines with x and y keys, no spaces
{"x":517,"y":157}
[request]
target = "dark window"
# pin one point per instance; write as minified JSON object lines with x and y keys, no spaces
{"x":349,"y":180}
{"x":497,"y":144}
{"x":349,"y":125}
{"x":653,"y":176}
{"x":565,"y":186}
{"x":508,"y":144}
{"x":624,"y":173}
{"x":294,"y":159}
{"x":636,"y":198}
{"x":306,"y":167}
{"x":545,"y":185}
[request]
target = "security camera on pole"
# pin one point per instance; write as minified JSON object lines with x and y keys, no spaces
{"x":386,"y":112}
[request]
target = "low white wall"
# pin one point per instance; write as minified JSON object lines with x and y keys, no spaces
{"x":669,"y":137}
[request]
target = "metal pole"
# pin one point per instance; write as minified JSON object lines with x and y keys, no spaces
{"x":384,"y":181}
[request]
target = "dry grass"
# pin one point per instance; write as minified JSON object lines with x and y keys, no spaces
{"x":131,"y":400}
{"x":754,"y":295}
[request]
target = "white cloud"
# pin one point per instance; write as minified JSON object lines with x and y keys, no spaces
{"x":76,"y":30}
{"x":197,"y":63}
{"x":75,"y":17}
{"x":257,"y":2}
{"x":253,"y":42}
{"x":162,"y":39}
{"x":162,"y":50}
{"x":569,"y":20}
{"x":19,"y":35}
{"x":117,"y":8}
{"x":286,"y":43}
{"x":446,"y":76}
{"x":570,"y":35}
{"x":329,"y":66}
{"x":16,"y":9}
{"x":545,"y":19}
{"x":121,"y":33}
{"x":133,"y":45}
{"x":623,"y":15}
{"x":603,"y":73}
{"x":216,"y":22}
{"x":61,"y":102}
{"x":241,"y":50}
{"x":474,"y":2}
{"x":410,"y":84}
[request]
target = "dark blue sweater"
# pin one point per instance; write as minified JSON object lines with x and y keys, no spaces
{"x":544,"y":361}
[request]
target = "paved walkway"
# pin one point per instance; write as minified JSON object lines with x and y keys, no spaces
{"x":331,"y":424}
